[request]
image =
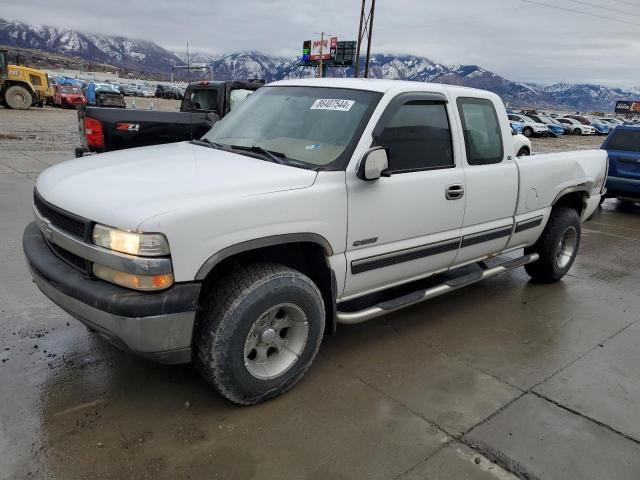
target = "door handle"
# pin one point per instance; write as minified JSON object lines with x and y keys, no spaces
{"x":454,"y":192}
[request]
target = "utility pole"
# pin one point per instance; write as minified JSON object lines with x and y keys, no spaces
{"x":320,"y":71}
{"x":359,"y":40}
{"x":365,"y":29}
{"x":366,"y":63}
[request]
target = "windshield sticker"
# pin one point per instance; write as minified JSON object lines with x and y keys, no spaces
{"x":333,"y":104}
{"x":315,"y":146}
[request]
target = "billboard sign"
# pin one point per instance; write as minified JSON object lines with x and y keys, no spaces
{"x":325,"y":48}
{"x":627,"y":107}
{"x":340,"y":54}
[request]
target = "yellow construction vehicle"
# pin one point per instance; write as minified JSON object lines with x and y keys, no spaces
{"x":21,"y":87}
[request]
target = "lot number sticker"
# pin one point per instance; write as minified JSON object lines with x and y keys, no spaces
{"x":333,"y":104}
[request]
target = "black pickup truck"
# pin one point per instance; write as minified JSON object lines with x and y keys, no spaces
{"x":204,"y":103}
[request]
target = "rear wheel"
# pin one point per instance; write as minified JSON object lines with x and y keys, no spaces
{"x":18,"y":97}
{"x":523,"y":152}
{"x":527,"y":132}
{"x":557,"y":246}
{"x":258,"y":332}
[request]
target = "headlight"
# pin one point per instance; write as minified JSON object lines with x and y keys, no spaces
{"x":133,"y":243}
{"x":129,"y":280}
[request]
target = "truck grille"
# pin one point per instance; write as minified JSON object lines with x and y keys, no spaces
{"x":70,"y":258}
{"x":71,"y":224}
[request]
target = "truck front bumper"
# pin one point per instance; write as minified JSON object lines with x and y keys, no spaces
{"x":157,"y":326}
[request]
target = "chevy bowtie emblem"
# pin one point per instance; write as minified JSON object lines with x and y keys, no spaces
{"x":45,"y":226}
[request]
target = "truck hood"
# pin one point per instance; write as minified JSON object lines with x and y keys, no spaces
{"x":125,"y":187}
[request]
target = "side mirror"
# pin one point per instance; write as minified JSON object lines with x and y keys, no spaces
{"x":374,"y":164}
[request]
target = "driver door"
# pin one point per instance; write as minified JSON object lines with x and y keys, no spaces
{"x":407,"y":225}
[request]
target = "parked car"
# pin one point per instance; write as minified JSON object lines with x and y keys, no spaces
{"x":239,"y":251}
{"x":168,"y":91}
{"x":521,"y":144}
{"x":104,"y":95}
{"x":623,"y":147}
{"x":517,"y":126}
{"x":144,"y":91}
{"x":128,"y":89}
{"x":103,"y":130}
{"x":576,"y":127}
{"x":555,"y":128}
{"x":599,"y":127}
{"x":68,"y":96}
{"x":530,"y":127}
{"x":611,"y":121}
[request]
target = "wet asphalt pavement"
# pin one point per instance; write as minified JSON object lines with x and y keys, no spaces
{"x":502,"y":379}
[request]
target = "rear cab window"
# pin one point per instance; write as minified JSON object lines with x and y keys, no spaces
{"x":482,"y":131}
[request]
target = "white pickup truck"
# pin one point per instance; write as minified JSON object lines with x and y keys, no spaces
{"x":316,"y":203}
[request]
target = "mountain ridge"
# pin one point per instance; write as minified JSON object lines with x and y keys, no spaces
{"x":147,"y":57}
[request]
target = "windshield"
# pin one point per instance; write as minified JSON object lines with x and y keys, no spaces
{"x":315,"y":125}
{"x":69,"y":89}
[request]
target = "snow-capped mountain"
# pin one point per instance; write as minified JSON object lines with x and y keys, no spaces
{"x":122,"y":52}
{"x":144,"y":56}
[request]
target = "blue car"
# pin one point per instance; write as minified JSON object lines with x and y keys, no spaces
{"x":623,"y":147}
{"x":556,"y":129}
{"x":517,"y":126}
{"x":600,"y":127}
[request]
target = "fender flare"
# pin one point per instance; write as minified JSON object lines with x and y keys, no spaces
{"x":257,"y":243}
{"x":585,"y":188}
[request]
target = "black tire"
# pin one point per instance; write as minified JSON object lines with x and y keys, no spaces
{"x":18,"y":97}
{"x":577,"y":131}
{"x":527,"y":132}
{"x":549,"y":268}
{"x":523,"y":152}
{"x":236,"y":301}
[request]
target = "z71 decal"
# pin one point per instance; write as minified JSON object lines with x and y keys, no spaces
{"x":127,"y":127}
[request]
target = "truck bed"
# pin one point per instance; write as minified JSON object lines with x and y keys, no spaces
{"x":543,"y":177}
{"x":139,"y":128}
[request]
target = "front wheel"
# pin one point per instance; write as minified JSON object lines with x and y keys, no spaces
{"x":18,"y":97}
{"x":527,"y":132}
{"x":577,"y":131}
{"x":557,"y":246}
{"x":258,"y":332}
{"x":524,"y":152}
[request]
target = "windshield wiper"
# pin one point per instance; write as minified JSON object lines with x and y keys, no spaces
{"x":205,"y":142}
{"x":275,"y":157}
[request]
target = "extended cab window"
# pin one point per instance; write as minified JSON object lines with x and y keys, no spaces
{"x":418,"y":137}
{"x":482,"y":131}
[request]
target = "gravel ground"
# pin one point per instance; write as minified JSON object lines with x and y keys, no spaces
{"x":52,"y":129}
{"x":566,"y":142}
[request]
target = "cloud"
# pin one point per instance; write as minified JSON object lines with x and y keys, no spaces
{"x":514,"y":38}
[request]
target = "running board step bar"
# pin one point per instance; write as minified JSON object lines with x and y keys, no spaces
{"x":413,"y":298}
